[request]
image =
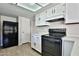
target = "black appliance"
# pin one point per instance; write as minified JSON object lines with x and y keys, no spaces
{"x":52,"y":43}
{"x":10,"y":34}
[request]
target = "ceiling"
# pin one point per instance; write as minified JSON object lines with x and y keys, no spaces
{"x":32,"y":6}
{"x":8,"y":9}
{"x":13,"y":10}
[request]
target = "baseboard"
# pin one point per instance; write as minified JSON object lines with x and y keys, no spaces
{"x":24,"y":43}
{"x":37,"y":51}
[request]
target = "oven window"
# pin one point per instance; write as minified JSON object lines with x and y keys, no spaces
{"x":52,"y":47}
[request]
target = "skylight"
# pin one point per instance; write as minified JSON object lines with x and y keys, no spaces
{"x":43,"y":4}
{"x":32,"y":6}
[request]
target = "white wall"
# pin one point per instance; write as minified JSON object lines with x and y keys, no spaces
{"x":7,"y":18}
{"x":58,"y":24}
{"x":44,"y":29}
{"x":73,"y":30}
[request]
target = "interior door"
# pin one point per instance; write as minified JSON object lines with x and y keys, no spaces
{"x":24,"y":27}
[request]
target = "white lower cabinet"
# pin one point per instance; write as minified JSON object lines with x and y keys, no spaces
{"x":36,"y":42}
{"x":67,"y":46}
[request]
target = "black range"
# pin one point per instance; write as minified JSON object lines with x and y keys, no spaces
{"x":52,"y":43}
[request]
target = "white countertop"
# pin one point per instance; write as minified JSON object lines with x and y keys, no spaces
{"x":75,"y":49}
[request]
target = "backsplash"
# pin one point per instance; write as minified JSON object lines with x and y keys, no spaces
{"x":58,"y":24}
{"x":73,"y":30}
{"x":44,"y":29}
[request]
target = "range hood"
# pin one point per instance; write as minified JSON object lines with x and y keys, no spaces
{"x":55,"y":18}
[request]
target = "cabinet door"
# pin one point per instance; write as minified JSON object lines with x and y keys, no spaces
{"x":38,"y":43}
{"x":37,"y":19}
{"x":33,"y":41}
{"x":43,"y":18}
{"x":67,"y":47}
{"x":59,"y":9}
{"x":50,"y":12}
{"x":72,"y":13}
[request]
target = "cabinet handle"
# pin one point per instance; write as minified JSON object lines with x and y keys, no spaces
{"x":34,"y":44}
{"x":22,"y":32}
{"x":54,"y":10}
{"x":39,"y":19}
{"x":63,"y":11}
{"x":46,"y":11}
{"x":37,"y":37}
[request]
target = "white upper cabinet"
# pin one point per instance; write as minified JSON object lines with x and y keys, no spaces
{"x":56,"y":12}
{"x":41,"y":19}
{"x":72,"y":13}
{"x":37,"y":19}
{"x":50,"y":14}
{"x":59,"y":10}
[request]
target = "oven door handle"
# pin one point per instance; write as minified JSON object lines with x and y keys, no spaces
{"x":53,"y":40}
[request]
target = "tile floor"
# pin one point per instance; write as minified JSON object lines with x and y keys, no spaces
{"x":23,"y":50}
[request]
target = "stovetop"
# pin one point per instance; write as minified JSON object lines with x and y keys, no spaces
{"x":56,"y":33}
{"x":53,"y":36}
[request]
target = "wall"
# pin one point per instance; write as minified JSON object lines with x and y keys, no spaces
{"x":58,"y":24}
{"x":7,"y":18}
{"x":71,"y":29}
{"x":44,"y":29}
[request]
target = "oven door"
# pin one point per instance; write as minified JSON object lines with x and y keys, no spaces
{"x":51,"y":47}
